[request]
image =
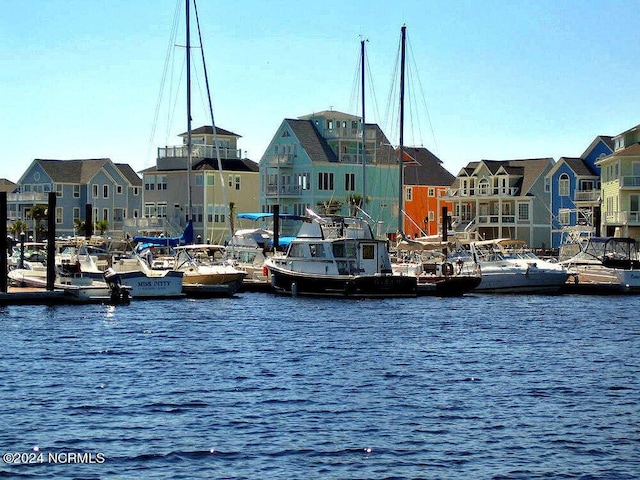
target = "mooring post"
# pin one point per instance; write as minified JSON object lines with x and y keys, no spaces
{"x":3,"y":242}
{"x":51,"y":241}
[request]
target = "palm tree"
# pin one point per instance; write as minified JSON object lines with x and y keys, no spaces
{"x":102,"y":226}
{"x":18,"y":227}
{"x":38,"y":213}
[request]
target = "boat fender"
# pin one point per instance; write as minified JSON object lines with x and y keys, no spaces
{"x":447,"y":269}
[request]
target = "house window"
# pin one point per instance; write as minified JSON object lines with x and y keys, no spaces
{"x":105,"y":214}
{"x":149,"y":209}
{"x":237,"y":182}
{"x":94,"y":189}
{"x":564,"y":216}
{"x":408,"y":194}
{"x":431,"y":192}
{"x":230,"y":181}
{"x":162,"y":182}
{"x":59,"y":217}
{"x":161,"y":210}
{"x":76,"y":214}
{"x":483,"y":187}
{"x":105,"y":191}
{"x":563,"y":185}
{"x":119,"y":189}
{"x":523,"y":212}
{"x":211,"y":180}
{"x":199,"y":180}
{"x":59,"y":190}
{"x":76,"y":191}
{"x":350,"y":182}
{"x":634,"y":207}
{"x":547,"y":185}
{"x":118,"y":214}
{"x":325,"y":181}
{"x":432,"y":215}
{"x":150,"y":182}
{"x":136,"y":191}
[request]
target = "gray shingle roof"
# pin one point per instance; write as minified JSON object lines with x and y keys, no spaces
{"x":208,"y":129}
{"x":427,"y":169}
{"x":311,"y":141}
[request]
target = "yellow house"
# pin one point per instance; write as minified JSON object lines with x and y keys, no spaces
{"x":620,"y":173}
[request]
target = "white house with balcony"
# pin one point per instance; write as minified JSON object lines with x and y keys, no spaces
{"x":620,"y":177}
{"x":218,"y":183}
{"x":503,"y":199}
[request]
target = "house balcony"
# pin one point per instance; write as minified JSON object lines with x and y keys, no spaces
{"x":483,"y":192}
{"x":199,"y":151}
{"x":347,"y":133}
{"x":281,"y":160}
{"x":622,"y":218}
{"x":630,"y":182}
{"x":28,"y":197}
{"x":586,"y":195}
{"x":283,"y":190}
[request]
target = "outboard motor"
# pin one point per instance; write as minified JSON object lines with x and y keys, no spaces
{"x":119,"y":292}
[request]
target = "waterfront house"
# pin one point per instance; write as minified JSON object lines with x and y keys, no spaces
{"x":574,"y":184}
{"x":316,"y":162}
{"x":426,"y":181}
{"x":219,"y":183}
{"x":503,"y":199}
{"x":113,"y":191}
{"x":620,"y":177}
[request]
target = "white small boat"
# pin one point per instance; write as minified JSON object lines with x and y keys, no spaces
{"x":204,"y":272}
{"x":602,"y":265}
{"x":76,"y":287}
{"x":507,"y":267}
{"x":134,"y":272}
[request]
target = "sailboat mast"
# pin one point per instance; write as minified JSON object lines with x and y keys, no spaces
{"x":364,"y":163}
{"x":401,"y":159}
{"x":189,"y":145}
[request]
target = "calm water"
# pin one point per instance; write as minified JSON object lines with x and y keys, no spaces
{"x":265,"y":387}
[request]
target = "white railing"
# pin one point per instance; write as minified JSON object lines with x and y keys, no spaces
{"x":28,"y":197}
{"x":632,"y":181}
{"x":199,"y":151}
{"x":586,"y":195}
{"x":275,"y":190}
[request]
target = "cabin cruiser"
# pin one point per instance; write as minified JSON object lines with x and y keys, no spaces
{"x":337,"y":256}
{"x":507,"y":266}
{"x":601,"y":265}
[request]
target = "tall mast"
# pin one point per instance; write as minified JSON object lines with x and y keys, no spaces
{"x":189,"y":146}
{"x":401,"y":159}
{"x":364,"y":163}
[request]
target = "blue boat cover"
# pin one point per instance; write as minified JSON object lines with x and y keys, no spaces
{"x":185,"y":239}
{"x":260,"y":216}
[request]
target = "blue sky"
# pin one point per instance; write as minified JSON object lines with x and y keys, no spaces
{"x":490,"y":79}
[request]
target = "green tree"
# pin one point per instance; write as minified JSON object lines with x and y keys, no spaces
{"x":18,"y":227}
{"x":102,"y":226}
{"x":79,"y":226}
{"x":38,"y":213}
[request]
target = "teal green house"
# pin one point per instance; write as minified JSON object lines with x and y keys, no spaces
{"x":320,"y":162}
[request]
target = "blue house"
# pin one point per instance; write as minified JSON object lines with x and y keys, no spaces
{"x":574,"y":186}
{"x":113,"y":190}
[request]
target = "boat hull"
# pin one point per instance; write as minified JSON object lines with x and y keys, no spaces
{"x":357,"y":286}
{"x":524,"y":282}
{"x":601,"y":280}
{"x":453,"y":286}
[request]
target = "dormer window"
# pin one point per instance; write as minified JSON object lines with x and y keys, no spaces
{"x":563,"y":185}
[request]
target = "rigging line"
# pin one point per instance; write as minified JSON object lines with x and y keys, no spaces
{"x":213,"y":124}
{"x":424,"y":101}
{"x":354,"y":101}
{"x":168,"y":56}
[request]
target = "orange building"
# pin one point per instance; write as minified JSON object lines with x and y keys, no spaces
{"x":425,"y":183}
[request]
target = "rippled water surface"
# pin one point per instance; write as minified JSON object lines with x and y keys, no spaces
{"x":267,"y":387}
